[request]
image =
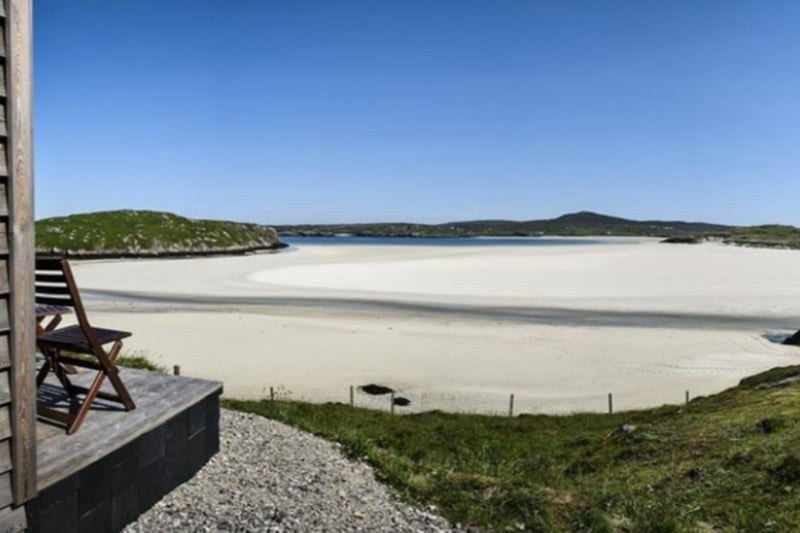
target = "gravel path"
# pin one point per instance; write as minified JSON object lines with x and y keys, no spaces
{"x":272,"y":477}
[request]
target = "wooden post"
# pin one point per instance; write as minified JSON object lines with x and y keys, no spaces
{"x":687,"y":396}
{"x":511,"y":405}
{"x":610,"y":403}
{"x":271,"y":394}
{"x":19,"y":153}
{"x":176,"y":370}
{"x":352,"y":398}
{"x":391,"y":399}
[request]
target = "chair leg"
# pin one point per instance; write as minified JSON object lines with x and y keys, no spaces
{"x":112,"y":372}
{"x":83,"y":410}
{"x":42,"y":374}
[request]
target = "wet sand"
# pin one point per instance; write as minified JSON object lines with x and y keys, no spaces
{"x":461,"y":328}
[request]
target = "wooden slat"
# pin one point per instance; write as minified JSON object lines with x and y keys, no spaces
{"x":5,"y":455}
{"x":5,"y":422}
{"x":3,"y":199}
{"x":5,"y":386}
{"x":50,"y":278}
{"x":13,"y":519}
{"x":3,"y":126}
{"x":5,"y":324}
{"x":4,"y":283}
{"x":50,"y":300}
{"x":5,"y":362}
{"x":3,"y":160}
{"x":3,"y":237}
{"x":6,"y":492}
{"x":51,"y":290}
{"x":19,"y":81}
{"x":3,"y":88}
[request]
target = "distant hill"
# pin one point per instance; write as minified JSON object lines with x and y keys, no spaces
{"x":583,"y":223}
{"x":128,"y":233}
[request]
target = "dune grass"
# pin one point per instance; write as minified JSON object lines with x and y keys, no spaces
{"x":769,"y":236}
{"x":726,"y":462}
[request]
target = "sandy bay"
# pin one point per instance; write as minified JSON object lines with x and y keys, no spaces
{"x":461,"y":328}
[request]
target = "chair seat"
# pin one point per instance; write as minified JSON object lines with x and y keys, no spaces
{"x":74,"y":339}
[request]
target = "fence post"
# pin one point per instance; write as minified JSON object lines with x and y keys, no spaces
{"x":610,"y":403}
{"x":176,"y":370}
{"x":391,"y":399}
{"x":511,"y":405}
{"x":271,"y":394}
{"x":352,"y":402}
{"x":687,"y":396}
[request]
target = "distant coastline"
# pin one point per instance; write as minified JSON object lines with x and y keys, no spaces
{"x":581,"y":224}
{"x":454,"y":241}
{"x":150,"y":234}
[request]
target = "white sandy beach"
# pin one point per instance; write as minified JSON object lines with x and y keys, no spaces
{"x":461,"y":328}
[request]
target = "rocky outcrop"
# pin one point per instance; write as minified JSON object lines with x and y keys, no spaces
{"x":682,"y":240}
{"x":793,"y":340}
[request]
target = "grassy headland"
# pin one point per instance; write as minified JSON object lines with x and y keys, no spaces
{"x":726,"y":462}
{"x":128,"y":233}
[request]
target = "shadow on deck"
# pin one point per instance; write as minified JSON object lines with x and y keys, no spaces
{"x":119,"y":463}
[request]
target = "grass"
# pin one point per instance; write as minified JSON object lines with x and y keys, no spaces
{"x":128,"y":232}
{"x":140,"y":362}
{"x":770,"y":236}
{"x":728,"y":462}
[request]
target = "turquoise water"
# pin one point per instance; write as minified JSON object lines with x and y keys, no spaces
{"x":445,"y":241}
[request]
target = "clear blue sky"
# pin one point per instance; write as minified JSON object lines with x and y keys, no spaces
{"x":342,"y":111}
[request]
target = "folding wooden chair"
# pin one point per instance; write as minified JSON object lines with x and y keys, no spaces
{"x":55,"y":286}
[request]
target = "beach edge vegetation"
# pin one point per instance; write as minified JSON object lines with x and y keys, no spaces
{"x":724,"y":462}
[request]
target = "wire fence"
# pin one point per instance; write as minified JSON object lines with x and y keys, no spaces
{"x":479,"y":402}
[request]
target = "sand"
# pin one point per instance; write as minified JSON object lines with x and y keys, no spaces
{"x":462,"y":328}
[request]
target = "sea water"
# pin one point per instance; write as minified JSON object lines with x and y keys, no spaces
{"x":450,"y":241}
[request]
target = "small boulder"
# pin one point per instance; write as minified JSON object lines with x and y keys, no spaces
{"x":375,"y":389}
{"x":402,"y":402}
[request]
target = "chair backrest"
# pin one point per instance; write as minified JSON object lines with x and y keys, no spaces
{"x":55,"y":286}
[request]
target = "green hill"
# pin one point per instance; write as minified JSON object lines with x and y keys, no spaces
{"x":584,"y":223}
{"x":728,"y":462}
{"x":129,"y":233}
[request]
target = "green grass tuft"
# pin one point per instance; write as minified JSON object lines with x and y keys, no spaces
{"x":140,"y":362}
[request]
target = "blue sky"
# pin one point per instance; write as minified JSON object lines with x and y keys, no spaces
{"x":342,"y":111}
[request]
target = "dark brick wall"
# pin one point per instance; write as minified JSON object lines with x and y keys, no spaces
{"x":116,"y":489}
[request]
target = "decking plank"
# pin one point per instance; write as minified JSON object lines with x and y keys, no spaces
{"x":107,"y":427}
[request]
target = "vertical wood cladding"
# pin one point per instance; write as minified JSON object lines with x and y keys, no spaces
{"x":6,"y":430}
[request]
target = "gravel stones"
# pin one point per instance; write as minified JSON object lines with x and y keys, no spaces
{"x":272,"y":477}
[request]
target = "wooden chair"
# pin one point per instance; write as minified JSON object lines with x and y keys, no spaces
{"x":55,"y":286}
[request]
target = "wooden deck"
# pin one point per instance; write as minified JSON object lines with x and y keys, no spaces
{"x":108,"y":427}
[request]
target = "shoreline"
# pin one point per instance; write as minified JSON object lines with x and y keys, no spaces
{"x":461,"y":328}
